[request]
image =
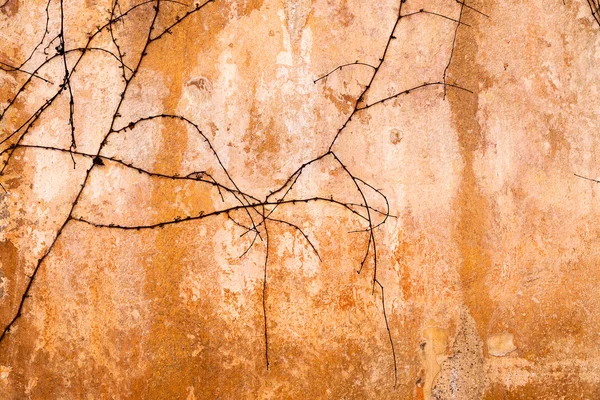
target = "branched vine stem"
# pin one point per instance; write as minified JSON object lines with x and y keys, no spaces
{"x":250,"y":213}
{"x":595,"y":9}
{"x":66,"y":80}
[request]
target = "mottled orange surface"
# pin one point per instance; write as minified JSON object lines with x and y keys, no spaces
{"x":489,"y":261}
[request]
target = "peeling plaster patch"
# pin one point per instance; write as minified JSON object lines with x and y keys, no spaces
{"x":460,"y":376}
{"x":31,"y":384}
{"x":501,"y":344}
{"x":203,"y":85}
{"x":4,"y":372}
{"x":285,"y":56}
{"x":296,"y":15}
{"x":191,"y":395}
{"x":436,"y":341}
{"x":395,"y":136}
{"x":4,"y":211}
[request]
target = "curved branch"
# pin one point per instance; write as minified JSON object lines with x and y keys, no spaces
{"x":193,"y":177}
{"x":341,"y":67}
{"x":423,"y":11}
{"x":407,"y":91}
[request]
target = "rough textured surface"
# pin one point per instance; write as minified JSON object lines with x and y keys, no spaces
{"x":489,"y":264}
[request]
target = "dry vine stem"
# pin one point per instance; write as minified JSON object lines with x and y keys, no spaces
{"x":595,"y":9}
{"x":253,"y":215}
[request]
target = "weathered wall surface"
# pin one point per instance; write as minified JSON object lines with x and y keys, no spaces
{"x":488,"y":262}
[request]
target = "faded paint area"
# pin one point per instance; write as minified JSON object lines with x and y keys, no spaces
{"x":501,"y":344}
{"x":489,"y":263}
